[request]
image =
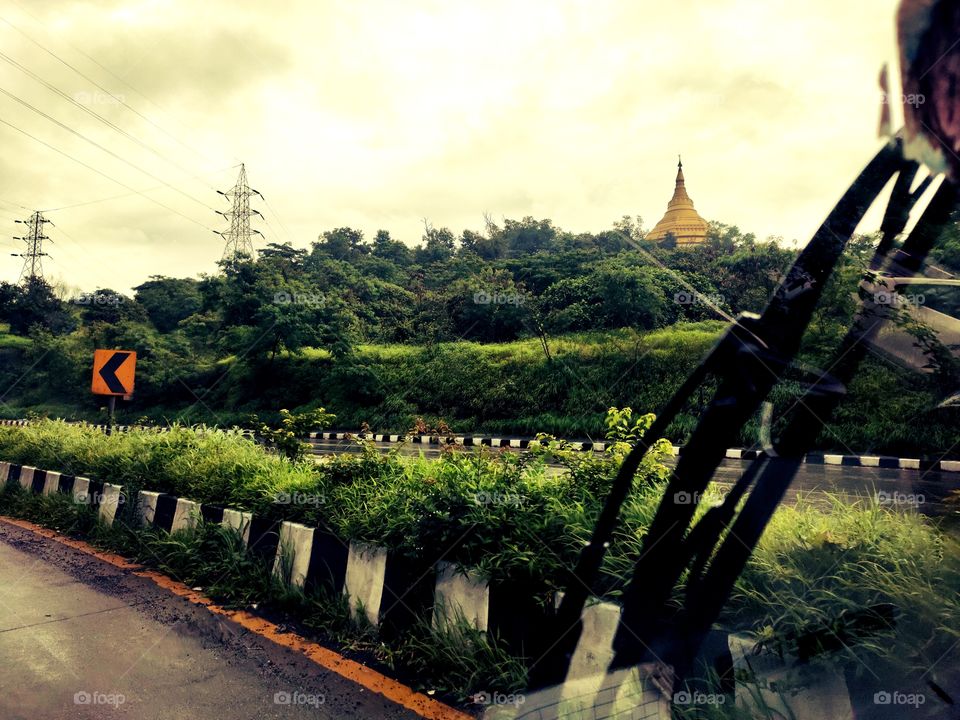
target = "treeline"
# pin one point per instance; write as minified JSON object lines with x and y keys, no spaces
{"x":523,"y":278}
{"x":382,"y":333}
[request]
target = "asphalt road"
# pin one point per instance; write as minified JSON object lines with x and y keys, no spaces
{"x":922,"y":490}
{"x":82,"y":639}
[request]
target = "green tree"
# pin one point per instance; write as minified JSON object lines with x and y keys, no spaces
{"x":438,"y":245}
{"x":386,"y":248}
{"x":527,"y":236}
{"x":8,"y":296}
{"x":487,"y":307}
{"x":110,"y":307}
{"x":168,"y":300}
{"x":36,"y":305}
{"x":267,"y":309}
{"x":486,"y":248}
{"x":341,"y":244}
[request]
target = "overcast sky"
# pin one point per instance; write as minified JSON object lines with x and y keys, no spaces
{"x":380,"y":114}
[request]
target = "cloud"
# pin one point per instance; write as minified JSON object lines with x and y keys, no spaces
{"x":381,"y":114}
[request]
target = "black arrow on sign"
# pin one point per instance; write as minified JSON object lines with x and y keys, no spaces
{"x":110,"y":367}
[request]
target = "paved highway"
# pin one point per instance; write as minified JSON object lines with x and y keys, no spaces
{"x":81,"y":640}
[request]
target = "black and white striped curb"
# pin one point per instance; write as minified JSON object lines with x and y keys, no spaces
{"x":872,"y":461}
{"x":464,"y":440}
{"x":394,"y":593}
{"x":391,"y":590}
{"x":105,"y":497}
{"x":813,"y":458}
{"x":116,"y":428}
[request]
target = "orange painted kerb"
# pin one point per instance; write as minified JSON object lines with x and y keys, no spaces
{"x":394,"y":691}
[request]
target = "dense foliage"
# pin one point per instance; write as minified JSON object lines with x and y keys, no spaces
{"x":519,"y":329}
{"x":524,"y":279}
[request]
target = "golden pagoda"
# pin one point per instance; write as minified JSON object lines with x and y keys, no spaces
{"x":681,"y":220}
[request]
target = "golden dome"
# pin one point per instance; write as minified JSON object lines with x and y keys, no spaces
{"x":680,"y":220}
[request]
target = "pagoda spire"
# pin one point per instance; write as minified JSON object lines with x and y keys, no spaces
{"x":681,"y":219}
{"x":680,"y":197}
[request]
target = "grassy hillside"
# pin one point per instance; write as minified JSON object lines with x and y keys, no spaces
{"x":11,"y":341}
{"x":505,"y":388}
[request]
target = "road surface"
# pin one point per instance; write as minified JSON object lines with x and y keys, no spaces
{"x":81,"y":639}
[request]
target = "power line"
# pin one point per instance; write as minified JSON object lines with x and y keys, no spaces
{"x":16,"y":205}
{"x":99,"y":270}
{"x":119,"y":100}
{"x":279,"y":220}
{"x":238,"y":236}
{"x":120,"y":196}
{"x":111,"y":74}
{"x":101,"y":147}
{"x":53,"y":88}
{"x":103,"y":174}
{"x":106,"y":199}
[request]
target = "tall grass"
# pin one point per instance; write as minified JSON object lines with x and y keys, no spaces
{"x":502,"y":515}
{"x":206,"y":464}
{"x":815,"y":566}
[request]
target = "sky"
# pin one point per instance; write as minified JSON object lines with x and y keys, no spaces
{"x":379,"y":114}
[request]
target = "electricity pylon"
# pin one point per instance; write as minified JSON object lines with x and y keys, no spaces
{"x":239,"y":236}
{"x":32,"y":263}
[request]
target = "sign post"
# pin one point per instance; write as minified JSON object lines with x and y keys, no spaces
{"x":113,"y":375}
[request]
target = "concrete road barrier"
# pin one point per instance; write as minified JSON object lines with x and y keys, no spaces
{"x":366,"y":569}
{"x":185,"y":515}
{"x":110,"y":499}
{"x":147,"y":506}
{"x":293,"y":555}
{"x":239,"y":521}
{"x":26,"y":477}
{"x":460,"y":593}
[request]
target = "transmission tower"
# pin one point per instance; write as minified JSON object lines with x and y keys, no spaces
{"x":239,"y":236}
{"x":32,"y":263}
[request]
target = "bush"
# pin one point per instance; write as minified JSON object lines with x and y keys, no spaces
{"x":205,"y":464}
